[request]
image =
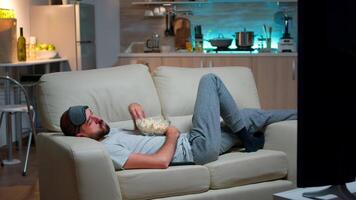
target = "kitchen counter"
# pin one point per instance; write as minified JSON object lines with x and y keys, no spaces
{"x":136,"y":50}
{"x":235,"y":54}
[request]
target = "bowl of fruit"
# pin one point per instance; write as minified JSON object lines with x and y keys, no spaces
{"x":45,"y":51}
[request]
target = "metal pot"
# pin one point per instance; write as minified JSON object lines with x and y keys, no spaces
{"x":244,"y":39}
{"x":220,"y":42}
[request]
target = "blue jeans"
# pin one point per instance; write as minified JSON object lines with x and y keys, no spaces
{"x":207,"y":137}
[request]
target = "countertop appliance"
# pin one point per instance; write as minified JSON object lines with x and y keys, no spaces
{"x":71,"y":28}
{"x":286,"y":43}
{"x":152,"y":44}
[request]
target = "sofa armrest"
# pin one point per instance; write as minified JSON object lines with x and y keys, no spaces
{"x":74,"y":168}
{"x":282,"y":136}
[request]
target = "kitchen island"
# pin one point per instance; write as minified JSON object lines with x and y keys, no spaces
{"x":275,"y":73}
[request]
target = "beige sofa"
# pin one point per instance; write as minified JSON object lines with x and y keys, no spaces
{"x":80,"y":168}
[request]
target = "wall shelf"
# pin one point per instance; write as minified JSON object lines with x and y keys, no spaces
{"x":167,"y":2}
{"x":207,"y":1}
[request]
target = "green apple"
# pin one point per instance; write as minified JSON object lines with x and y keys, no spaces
{"x":51,"y":47}
{"x":44,"y":46}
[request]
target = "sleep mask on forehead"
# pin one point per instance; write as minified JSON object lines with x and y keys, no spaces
{"x":77,"y":115}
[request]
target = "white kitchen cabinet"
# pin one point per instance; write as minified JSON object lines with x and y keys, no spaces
{"x":276,"y":79}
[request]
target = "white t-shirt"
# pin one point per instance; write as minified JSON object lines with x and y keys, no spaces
{"x":120,"y":143}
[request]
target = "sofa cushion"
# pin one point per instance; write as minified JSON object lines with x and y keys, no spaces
{"x":183,"y":123}
{"x":238,"y":168}
{"x":155,"y":183}
{"x":282,"y":136}
{"x":258,"y":191}
{"x":177,"y":87}
{"x":107,"y":91}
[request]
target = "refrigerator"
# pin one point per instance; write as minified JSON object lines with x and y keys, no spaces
{"x":71,"y":28}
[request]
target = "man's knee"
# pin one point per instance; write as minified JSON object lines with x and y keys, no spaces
{"x":209,"y":76}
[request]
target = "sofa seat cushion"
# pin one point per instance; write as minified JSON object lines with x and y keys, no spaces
{"x":239,"y":168}
{"x":155,"y":183}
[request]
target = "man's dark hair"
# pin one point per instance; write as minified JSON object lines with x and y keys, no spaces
{"x":72,"y":119}
{"x":68,"y":128}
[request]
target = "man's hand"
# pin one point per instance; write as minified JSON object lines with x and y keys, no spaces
{"x":172,"y":131}
{"x":136,"y":111}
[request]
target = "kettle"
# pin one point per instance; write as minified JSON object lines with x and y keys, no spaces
{"x":153,"y":42}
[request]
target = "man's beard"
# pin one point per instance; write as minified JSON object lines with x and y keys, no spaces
{"x":103,"y":132}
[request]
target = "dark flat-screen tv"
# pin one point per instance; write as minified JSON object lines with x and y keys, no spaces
{"x":326,"y":95}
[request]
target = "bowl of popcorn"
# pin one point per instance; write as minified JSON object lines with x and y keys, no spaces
{"x":151,"y":126}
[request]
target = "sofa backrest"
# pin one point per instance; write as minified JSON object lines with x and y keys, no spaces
{"x":177,"y":87}
{"x":108,"y":92}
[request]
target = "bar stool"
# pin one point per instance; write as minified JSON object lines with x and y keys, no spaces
{"x":9,"y":110}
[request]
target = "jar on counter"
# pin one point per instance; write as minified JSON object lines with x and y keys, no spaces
{"x":32,"y":48}
{"x":189,"y":45}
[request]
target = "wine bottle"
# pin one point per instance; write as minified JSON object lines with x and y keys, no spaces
{"x":21,"y":47}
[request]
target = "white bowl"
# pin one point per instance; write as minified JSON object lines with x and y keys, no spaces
{"x":43,"y":54}
{"x":151,"y":126}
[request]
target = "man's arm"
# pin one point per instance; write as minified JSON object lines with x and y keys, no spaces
{"x":158,"y":160}
{"x":136,"y":111}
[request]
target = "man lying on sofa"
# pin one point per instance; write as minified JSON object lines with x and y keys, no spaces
{"x":204,"y":143}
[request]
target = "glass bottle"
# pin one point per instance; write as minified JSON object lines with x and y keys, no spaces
{"x":21,"y":47}
{"x":199,"y":44}
{"x":32,"y":48}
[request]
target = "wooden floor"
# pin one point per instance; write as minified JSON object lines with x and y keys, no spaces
{"x":14,"y":186}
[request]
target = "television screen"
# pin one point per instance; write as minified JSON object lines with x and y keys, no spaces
{"x":326,"y":92}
